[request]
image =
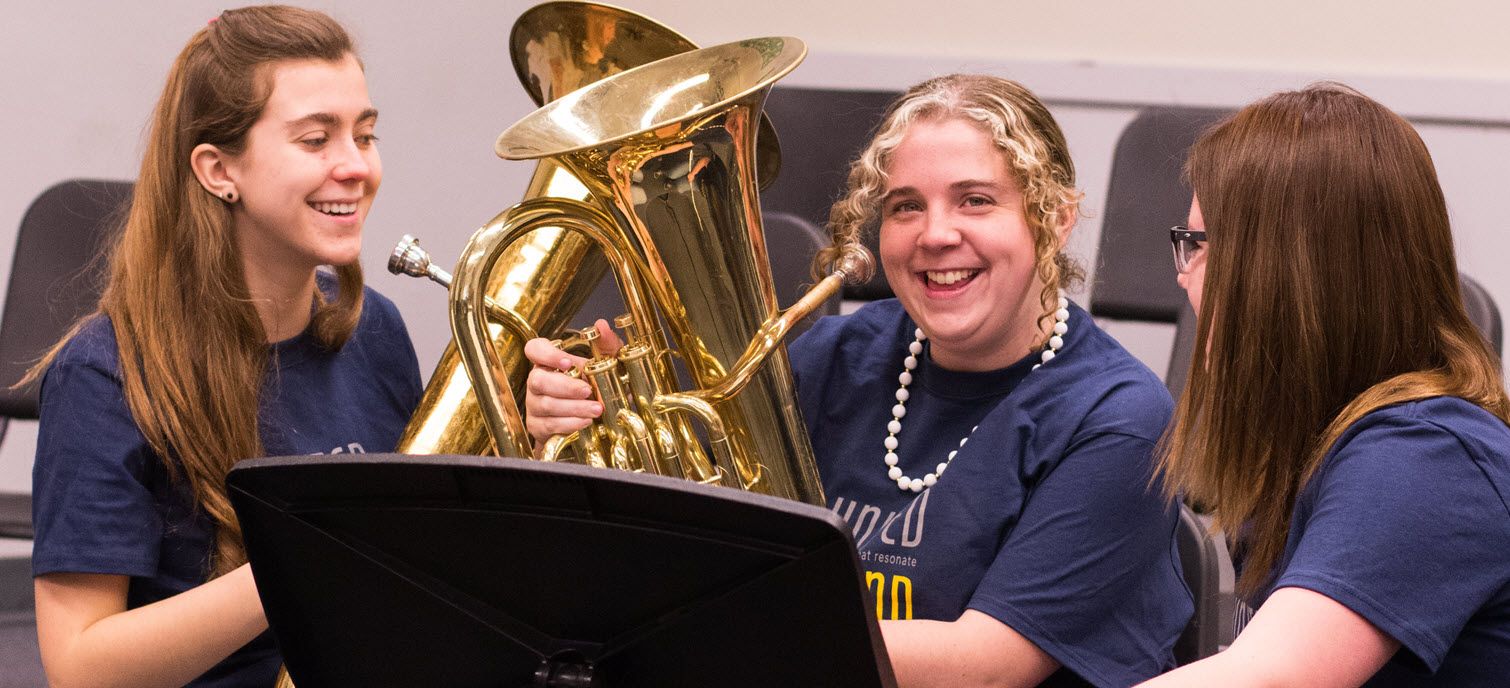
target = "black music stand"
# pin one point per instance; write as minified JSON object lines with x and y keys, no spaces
{"x":389,"y":570}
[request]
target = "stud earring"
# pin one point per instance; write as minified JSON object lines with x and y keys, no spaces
{"x":230,"y":196}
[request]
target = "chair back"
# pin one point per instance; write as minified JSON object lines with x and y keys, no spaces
{"x":55,"y":278}
{"x":1482,"y":311}
{"x":822,"y":131}
{"x":1208,"y":573}
{"x":1134,"y":275}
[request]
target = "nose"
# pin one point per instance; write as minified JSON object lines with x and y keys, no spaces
{"x":351,"y":163}
{"x":938,"y":231}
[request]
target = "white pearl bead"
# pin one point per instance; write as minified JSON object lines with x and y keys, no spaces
{"x":1061,"y":314}
{"x":940,"y":469}
{"x":918,"y":334}
{"x":917,"y":485}
{"x":915,"y":348}
{"x":1064,"y":302}
{"x":899,"y":411}
{"x":904,"y":482}
{"x":895,"y":473}
{"x":891,"y":459}
{"x":951,"y":455}
{"x":974,"y":428}
{"x":893,"y":426}
{"x":1036,"y":366}
{"x":929,"y":480}
{"x":1047,"y":356}
{"x":963,"y":440}
{"x":1056,"y":342}
{"x":905,"y":378}
{"x":902,"y":395}
{"x":891,"y":443}
{"x":910,"y":363}
{"x":1061,"y":328}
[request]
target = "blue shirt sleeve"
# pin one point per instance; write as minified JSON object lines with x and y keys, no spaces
{"x":1398,"y":526}
{"x":1074,"y":575}
{"x":92,"y":508}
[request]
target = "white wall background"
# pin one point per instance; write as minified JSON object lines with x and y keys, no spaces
{"x":78,"y":79}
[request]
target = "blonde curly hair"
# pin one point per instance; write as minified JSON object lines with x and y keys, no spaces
{"x":1019,"y":124}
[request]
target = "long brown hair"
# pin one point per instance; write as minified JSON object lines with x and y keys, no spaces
{"x":1331,"y":291}
{"x":193,"y":351}
{"x":1020,"y":125}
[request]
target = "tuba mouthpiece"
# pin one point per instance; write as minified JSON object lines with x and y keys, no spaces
{"x":409,"y":259}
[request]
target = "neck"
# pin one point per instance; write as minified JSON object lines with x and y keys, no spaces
{"x":283,"y":301}
{"x":1026,"y":339}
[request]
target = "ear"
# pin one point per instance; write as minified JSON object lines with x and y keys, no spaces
{"x":1067,"y":219}
{"x":212,"y":167}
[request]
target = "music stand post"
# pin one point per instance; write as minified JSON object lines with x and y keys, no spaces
{"x":390,"y":570}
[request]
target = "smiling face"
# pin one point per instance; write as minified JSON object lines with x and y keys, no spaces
{"x":308,"y":174}
{"x":957,"y":247}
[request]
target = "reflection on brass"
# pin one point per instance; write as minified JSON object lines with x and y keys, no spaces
{"x":667,"y":154}
{"x":556,"y":48}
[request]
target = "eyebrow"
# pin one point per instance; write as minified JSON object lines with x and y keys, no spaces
{"x":962,"y":185}
{"x":331,"y":120}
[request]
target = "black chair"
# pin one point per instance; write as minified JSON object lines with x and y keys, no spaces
{"x":823,"y":130}
{"x":1209,"y":574}
{"x":1482,"y":311}
{"x":55,"y":279}
{"x":1134,"y":276}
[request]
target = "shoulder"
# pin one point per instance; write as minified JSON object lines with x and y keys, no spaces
{"x":859,"y":335}
{"x":1098,"y":384}
{"x":92,"y":345}
{"x":1440,"y":446}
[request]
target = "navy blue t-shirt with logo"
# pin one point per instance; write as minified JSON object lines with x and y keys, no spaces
{"x":103,"y":501}
{"x":1407,"y":523}
{"x":1046,"y":519}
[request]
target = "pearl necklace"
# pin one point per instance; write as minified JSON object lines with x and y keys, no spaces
{"x":894,"y":428}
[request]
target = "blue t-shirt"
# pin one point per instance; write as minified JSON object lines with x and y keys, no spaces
{"x":103,"y":501}
{"x":1407,"y":524}
{"x":1046,"y":519}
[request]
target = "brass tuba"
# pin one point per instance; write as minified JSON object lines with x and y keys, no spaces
{"x":556,"y":48}
{"x":668,"y":152}
{"x":667,"y":155}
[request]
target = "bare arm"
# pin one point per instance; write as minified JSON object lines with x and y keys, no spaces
{"x":975,"y":650}
{"x":89,"y":638}
{"x":1298,"y":638}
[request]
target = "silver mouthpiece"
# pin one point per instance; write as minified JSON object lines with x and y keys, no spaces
{"x":409,"y":259}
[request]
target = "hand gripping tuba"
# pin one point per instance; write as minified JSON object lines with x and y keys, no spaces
{"x":556,"y":48}
{"x":668,"y":152}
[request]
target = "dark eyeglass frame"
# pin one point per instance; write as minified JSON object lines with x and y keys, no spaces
{"x":1187,"y":244}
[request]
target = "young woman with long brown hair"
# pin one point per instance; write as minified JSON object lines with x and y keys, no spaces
{"x":1343,"y":417}
{"x":217,"y":339}
{"x":990,"y":447}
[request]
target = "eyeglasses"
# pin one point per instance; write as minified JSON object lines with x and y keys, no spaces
{"x":1189,"y":244}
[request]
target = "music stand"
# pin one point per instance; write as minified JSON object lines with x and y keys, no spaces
{"x":389,"y":570}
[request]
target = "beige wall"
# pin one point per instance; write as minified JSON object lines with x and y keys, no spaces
{"x":77,"y":80}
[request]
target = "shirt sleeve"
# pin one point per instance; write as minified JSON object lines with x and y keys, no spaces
{"x":91,"y":506}
{"x":1090,"y":574}
{"x":1402,"y":529}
